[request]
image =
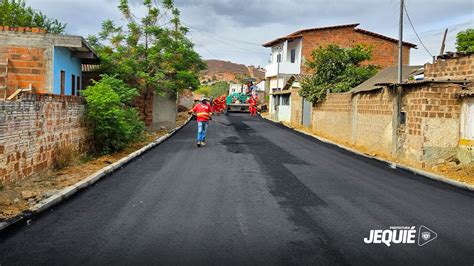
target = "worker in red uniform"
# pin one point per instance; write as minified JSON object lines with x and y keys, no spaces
{"x":215,"y":105}
{"x":203,"y":112}
{"x":222,"y":103}
{"x":253,"y":105}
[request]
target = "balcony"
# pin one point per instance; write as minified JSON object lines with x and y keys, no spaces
{"x":285,"y":68}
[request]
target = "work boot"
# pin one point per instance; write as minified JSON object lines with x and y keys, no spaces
{"x":199,"y":143}
{"x":203,"y":143}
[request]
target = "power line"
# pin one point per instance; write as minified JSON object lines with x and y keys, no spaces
{"x":205,"y":48}
{"x":231,"y":45}
{"x":414,"y":30}
{"x":222,"y":36}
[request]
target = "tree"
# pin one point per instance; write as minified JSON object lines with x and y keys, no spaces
{"x":336,"y":69}
{"x":114,"y":122}
{"x":219,"y":88}
{"x":151,"y":52}
{"x":15,"y":13}
{"x":465,"y":41}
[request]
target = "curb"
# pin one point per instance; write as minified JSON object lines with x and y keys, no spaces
{"x":88,"y":181}
{"x":391,"y":164}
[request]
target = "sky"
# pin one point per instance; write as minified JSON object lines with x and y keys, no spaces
{"x":233,"y":30}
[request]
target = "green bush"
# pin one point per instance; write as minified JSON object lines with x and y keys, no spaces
{"x":114,"y":121}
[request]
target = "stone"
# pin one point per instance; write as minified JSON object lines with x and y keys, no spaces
{"x":26,"y":194}
{"x":8,"y":197}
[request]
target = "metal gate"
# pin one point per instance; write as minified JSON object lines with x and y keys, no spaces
{"x":306,"y":116}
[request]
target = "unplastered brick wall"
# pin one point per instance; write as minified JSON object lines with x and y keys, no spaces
{"x":432,"y":121}
{"x":459,"y":67}
{"x":26,"y":66}
{"x":332,"y":117}
{"x":384,"y":52}
{"x":373,"y":120}
{"x":33,"y":128}
{"x":144,"y":105}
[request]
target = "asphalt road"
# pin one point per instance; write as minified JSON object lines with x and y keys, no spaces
{"x":258,"y":193}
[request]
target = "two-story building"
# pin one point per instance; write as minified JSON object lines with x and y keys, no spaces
{"x":289,"y":53}
{"x":31,"y":58}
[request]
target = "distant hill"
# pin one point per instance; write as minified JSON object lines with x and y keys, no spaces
{"x":218,"y":70}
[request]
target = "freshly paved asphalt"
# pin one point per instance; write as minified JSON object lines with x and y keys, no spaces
{"x":258,"y":193}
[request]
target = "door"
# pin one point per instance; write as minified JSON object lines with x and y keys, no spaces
{"x":306,"y":116}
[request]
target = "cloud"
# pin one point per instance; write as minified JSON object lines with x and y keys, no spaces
{"x":224,"y":29}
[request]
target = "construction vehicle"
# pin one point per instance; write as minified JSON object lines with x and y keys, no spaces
{"x":237,"y":101}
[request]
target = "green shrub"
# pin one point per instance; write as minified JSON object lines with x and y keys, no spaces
{"x":114,"y":121}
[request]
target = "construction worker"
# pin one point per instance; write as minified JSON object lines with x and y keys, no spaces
{"x":216,"y":105}
{"x":253,"y":105}
{"x":203,"y":113}
{"x":223,"y":103}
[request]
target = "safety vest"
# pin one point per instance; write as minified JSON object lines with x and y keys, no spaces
{"x":203,"y":112}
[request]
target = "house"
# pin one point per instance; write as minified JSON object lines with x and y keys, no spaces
{"x":289,"y":53}
{"x":31,"y":58}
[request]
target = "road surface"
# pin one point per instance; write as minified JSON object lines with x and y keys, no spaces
{"x":258,"y":193}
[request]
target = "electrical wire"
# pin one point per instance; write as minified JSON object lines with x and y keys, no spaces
{"x":414,"y":30}
{"x":204,"y":47}
{"x":231,"y":45}
{"x":222,"y":36}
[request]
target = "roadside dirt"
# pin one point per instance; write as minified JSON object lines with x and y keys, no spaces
{"x":450,"y":169}
{"x":20,"y":196}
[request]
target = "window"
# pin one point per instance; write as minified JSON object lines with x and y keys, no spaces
{"x":293,"y":55}
{"x":278,"y":58}
{"x":285,"y":99}
{"x":63,"y":80}
{"x":79,"y":87}
{"x":73,"y":84}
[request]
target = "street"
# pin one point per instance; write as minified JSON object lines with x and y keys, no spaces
{"x":258,"y":193}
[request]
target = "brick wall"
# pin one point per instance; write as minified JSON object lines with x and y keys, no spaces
{"x":372,"y":120}
{"x":385,"y":52}
{"x":144,"y":105}
{"x":432,"y":121}
{"x":26,"y":65}
{"x":459,"y":67}
{"x":33,"y":127}
{"x":333,"y":116}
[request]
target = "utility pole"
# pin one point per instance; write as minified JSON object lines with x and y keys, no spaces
{"x":400,"y":43}
{"x":443,"y":42}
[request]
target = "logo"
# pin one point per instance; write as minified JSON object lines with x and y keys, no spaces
{"x":401,"y":235}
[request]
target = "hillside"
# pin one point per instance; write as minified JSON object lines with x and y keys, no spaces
{"x":219,"y":70}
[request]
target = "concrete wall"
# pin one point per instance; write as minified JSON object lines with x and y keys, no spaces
{"x":164,"y":111}
{"x":33,"y":127}
{"x":63,"y":61}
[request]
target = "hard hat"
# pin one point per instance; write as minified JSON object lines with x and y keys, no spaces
{"x":204,"y":99}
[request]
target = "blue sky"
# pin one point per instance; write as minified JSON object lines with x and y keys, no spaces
{"x":233,"y":29}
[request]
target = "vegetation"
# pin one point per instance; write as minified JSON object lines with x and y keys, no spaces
{"x":336,"y":69}
{"x":15,"y":13}
{"x":217,"y":89}
{"x":465,"y":41}
{"x":115,"y":123}
{"x":149,"y":52}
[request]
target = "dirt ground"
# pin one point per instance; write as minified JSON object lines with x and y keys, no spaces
{"x":20,"y":196}
{"x":449,"y":168}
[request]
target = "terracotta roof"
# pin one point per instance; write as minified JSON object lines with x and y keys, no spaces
{"x":299,"y":34}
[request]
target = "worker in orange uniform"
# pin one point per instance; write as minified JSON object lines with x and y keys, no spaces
{"x":253,"y":105}
{"x":221,"y":104}
{"x":203,"y":112}
{"x":224,"y":103}
{"x":215,"y":105}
